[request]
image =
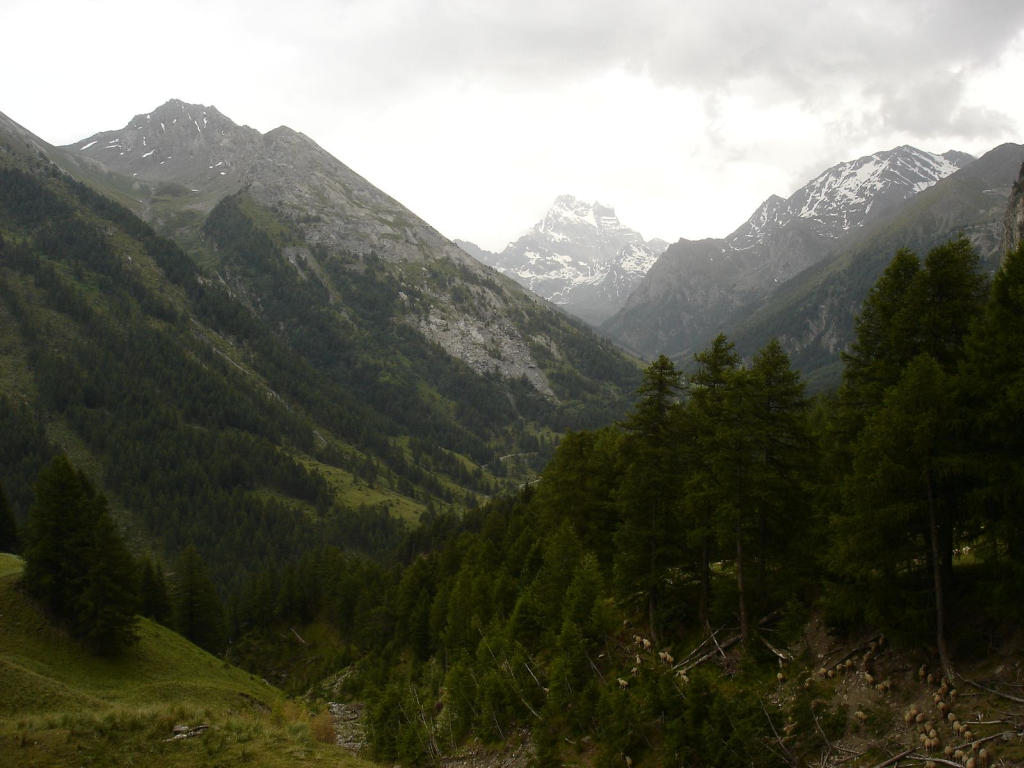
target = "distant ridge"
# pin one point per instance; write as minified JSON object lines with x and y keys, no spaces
{"x":696,"y":288}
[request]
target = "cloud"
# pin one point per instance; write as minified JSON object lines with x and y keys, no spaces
{"x":685,"y":114}
{"x":809,"y":53}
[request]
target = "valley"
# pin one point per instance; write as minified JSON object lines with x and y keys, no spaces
{"x":758,"y":512}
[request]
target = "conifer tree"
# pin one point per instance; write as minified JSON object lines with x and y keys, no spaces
{"x":154,"y":600}
{"x":104,"y":614}
{"x":76,"y":564}
{"x":898,"y":514}
{"x":901,"y":509}
{"x":8,"y":527}
{"x":649,"y":536}
{"x":197,"y":610}
{"x":992,"y":383}
{"x":709,"y":393}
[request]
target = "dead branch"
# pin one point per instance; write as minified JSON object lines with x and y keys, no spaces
{"x":994,"y":692}
{"x":534,"y":677}
{"x":893,"y":759}
{"x":933,"y":759}
{"x":593,"y":666}
{"x":718,"y":646}
{"x":783,"y":656}
{"x":789,"y":756}
{"x":720,"y":649}
{"x":709,"y":638}
{"x":821,"y":731}
{"x":298,"y":635}
{"x":852,"y":652}
{"x":993,"y":737}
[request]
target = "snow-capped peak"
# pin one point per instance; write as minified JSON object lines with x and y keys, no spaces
{"x":851,"y":193}
{"x":579,"y":255}
{"x":569,"y":218}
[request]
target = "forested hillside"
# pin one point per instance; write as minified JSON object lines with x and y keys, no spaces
{"x":651,"y":596}
{"x":254,"y":410}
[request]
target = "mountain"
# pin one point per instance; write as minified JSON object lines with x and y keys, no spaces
{"x":1013,"y":224}
{"x":184,"y":159}
{"x":696,"y":286}
{"x":579,"y":256}
{"x":286,"y":358}
{"x":813,"y":313}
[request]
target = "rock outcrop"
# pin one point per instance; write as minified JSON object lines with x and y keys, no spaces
{"x":1013,"y":224}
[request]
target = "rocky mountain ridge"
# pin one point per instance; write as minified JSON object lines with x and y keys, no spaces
{"x":183,"y":159}
{"x":813,"y":313}
{"x":1013,"y":224}
{"x":578,"y":256}
{"x":696,"y":285}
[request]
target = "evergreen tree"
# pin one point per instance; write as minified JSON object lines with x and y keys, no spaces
{"x":197,"y":610}
{"x":579,"y":485}
{"x":783,"y":451}
{"x":76,"y":564}
{"x":899,"y":522}
{"x":8,"y":527}
{"x":709,"y":395}
{"x":992,"y":384}
{"x":154,"y":601}
{"x":903,"y":509}
{"x":649,"y":535}
{"x":104,"y":616}
{"x":753,"y":444}
{"x":883,"y":342}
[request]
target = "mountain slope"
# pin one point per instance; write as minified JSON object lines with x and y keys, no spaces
{"x":578,"y":256}
{"x":697,"y":285}
{"x":813,"y":313}
{"x":62,"y":706}
{"x":185,"y":159}
{"x":267,"y":395}
{"x":1013,"y":224}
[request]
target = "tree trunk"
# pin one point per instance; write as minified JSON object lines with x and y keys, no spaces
{"x":940,"y":605}
{"x":704,"y":605}
{"x":744,"y":624}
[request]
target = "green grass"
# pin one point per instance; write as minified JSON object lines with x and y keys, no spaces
{"x":351,"y":491}
{"x":62,"y":706}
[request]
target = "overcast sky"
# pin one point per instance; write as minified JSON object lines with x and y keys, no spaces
{"x":476,"y":114}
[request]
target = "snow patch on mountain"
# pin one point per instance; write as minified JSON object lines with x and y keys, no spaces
{"x":580,"y":256}
{"x":850,"y":194}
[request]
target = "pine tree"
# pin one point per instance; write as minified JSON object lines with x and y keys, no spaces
{"x":104,"y":615}
{"x":902,"y":507}
{"x":8,"y":527}
{"x":709,"y":393}
{"x":197,"y":610}
{"x":649,"y":536}
{"x":75,"y":562}
{"x":154,"y":600}
{"x":900,"y":519}
{"x":992,"y":384}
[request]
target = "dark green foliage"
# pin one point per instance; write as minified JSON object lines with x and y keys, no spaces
{"x":992,"y":389}
{"x":75,"y":562}
{"x":197,"y":612}
{"x":154,"y":599}
{"x":8,"y":528}
{"x":24,"y":451}
{"x":902,"y":476}
{"x":648,"y":535}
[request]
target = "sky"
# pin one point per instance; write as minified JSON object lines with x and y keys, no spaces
{"x":476,"y":114}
